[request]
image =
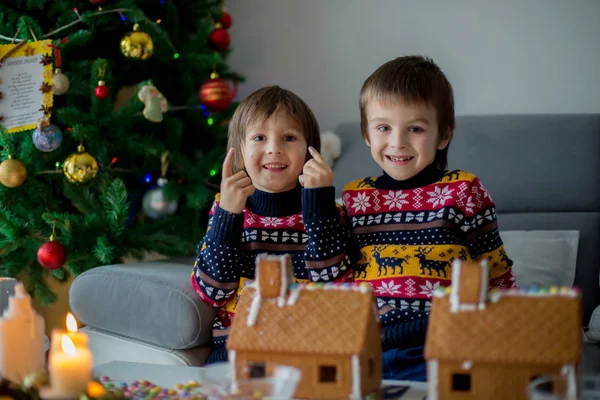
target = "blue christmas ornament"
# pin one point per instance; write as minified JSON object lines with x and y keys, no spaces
{"x":48,"y":138}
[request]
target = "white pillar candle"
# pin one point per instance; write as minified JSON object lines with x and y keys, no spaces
{"x":70,"y":369}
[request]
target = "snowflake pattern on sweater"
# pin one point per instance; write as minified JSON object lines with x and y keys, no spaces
{"x":407,"y":239}
{"x":316,"y":238}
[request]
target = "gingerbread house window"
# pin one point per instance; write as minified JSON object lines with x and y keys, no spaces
{"x":257,"y":370}
{"x":546,"y":387}
{"x":327,"y":374}
{"x":461,"y":382}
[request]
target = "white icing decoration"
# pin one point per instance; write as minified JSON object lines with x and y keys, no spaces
{"x":454,"y":301}
{"x":467,"y":365}
{"x":432,"y":377}
{"x":356,"y":381}
{"x":294,"y":296}
{"x":254,"y":309}
{"x":569,"y":372}
{"x":231,"y":356}
{"x":283,"y":272}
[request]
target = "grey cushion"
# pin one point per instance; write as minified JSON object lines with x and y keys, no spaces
{"x":153,"y":302}
{"x":541,"y":170}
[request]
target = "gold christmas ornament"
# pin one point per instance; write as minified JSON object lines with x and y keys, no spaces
{"x":80,"y":167}
{"x":12,"y":172}
{"x":137,"y":44}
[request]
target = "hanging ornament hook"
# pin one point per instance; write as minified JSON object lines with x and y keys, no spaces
{"x":164,"y":164}
{"x":53,"y":235}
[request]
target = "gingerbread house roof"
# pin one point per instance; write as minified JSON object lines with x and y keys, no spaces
{"x":515,"y":327}
{"x":315,"y":319}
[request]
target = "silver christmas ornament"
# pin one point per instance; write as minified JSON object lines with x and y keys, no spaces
{"x":154,"y":203}
{"x":48,"y":138}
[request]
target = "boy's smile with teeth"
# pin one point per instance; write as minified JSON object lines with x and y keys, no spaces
{"x":274,"y":166}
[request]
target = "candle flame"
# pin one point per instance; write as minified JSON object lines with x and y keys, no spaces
{"x":71,"y":323}
{"x":67,"y":345}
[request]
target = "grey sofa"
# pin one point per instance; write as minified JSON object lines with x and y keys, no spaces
{"x":542,"y":171}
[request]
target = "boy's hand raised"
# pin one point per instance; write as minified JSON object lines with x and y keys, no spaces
{"x":316,"y":172}
{"x":235,"y":188}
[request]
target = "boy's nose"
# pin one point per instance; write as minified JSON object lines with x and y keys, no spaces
{"x":398,"y":140}
{"x":274,"y":149}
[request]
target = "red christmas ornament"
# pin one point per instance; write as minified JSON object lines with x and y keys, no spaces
{"x":225,"y":20}
{"x":52,"y":254}
{"x":216,"y":94}
{"x":219,"y":39}
{"x":98,"y":2}
{"x":101,"y":90}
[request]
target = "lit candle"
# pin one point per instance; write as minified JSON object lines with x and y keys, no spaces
{"x":79,"y":339}
{"x":70,"y":369}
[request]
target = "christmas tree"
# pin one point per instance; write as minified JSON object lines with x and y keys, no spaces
{"x":121,"y":156}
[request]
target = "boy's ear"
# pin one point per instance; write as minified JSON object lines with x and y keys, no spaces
{"x":444,"y":141}
{"x":367,"y":141}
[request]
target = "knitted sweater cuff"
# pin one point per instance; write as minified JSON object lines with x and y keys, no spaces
{"x":319,"y":202}
{"x":226,"y":227}
{"x":405,"y":335}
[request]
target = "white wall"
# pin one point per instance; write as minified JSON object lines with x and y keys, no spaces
{"x":509,"y":56}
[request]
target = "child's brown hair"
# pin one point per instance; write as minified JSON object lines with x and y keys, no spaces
{"x":414,"y":79}
{"x":258,"y":107}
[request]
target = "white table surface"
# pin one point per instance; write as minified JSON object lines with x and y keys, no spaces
{"x":170,"y":375}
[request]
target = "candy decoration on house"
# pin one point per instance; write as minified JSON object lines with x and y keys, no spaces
{"x":155,"y":103}
{"x":60,"y":82}
{"x":52,"y":254}
{"x":337,"y":349}
{"x":46,"y":137}
{"x":155,"y":204}
{"x":216,"y":94}
{"x":480,"y":321}
{"x":12,"y":172}
{"x":137,"y":44}
{"x":80,"y":167}
{"x":101,"y":90}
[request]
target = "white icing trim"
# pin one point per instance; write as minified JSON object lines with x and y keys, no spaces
{"x":283,"y":281}
{"x":484,"y":283}
{"x":256,"y":273}
{"x":231,"y":355}
{"x":454,"y":300}
{"x":467,"y":365}
{"x":254,"y":309}
{"x":569,"y":372}
{"x":356,"y":381}
{"x":294,"y":296}
{"x":433,"y":378}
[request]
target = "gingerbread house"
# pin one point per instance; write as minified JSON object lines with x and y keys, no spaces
{"x":490,"y":344}
{"x":331,"y":333}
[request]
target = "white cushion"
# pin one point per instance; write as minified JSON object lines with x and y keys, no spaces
{"x":542,"y":258}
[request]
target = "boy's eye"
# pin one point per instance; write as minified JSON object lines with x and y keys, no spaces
{"x":258,"y":138}
{"x":383,"y":128}
{"x":416,"y":129}
{"x":289,"y":138}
